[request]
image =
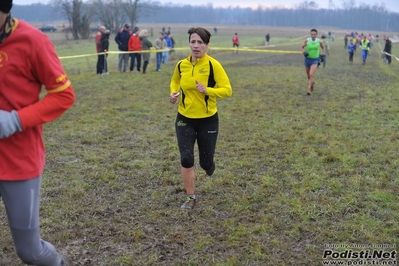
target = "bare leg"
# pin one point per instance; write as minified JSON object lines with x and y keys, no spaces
{"x":188,"y":176}
{"x":189,"y":184}
{"x":309,"y":84}
{"x":311,"y":71}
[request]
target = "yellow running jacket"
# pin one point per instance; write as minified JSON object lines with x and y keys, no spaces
{"x":207,"y":71}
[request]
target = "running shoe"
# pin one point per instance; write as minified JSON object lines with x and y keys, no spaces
{"x":189,"y":204}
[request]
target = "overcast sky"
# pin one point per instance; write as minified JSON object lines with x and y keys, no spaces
{"x":392,"y":5}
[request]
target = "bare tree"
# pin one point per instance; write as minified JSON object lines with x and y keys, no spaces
{"x":109,"y":13}
{"x":130,"y":8}
{"x":78,"y":14}
{"x":134,"y":9}
{"x":348,"y":4}
{"x":308,"y":5}
{"x":114,"y":13}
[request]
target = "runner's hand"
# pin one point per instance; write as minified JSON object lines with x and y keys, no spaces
{"x":173,"y":97}
{"x":200,"y":87}
{"x":9,"y":123}
{"x":305,"y":54}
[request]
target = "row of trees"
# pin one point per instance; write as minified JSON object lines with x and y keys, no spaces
{"x":306,"y":14}
{"x":114,"y":13}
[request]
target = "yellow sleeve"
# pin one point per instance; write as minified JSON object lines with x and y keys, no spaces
{"x":223,"y":87}
{"x":175,"y":81}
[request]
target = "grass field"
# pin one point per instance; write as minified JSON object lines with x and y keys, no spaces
{"x":295,"y":174}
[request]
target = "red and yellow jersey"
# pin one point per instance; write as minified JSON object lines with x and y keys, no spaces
{"x":27,"y":62}
{"x":207,"y":71}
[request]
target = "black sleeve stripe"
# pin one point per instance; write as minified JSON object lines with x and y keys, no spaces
{"x":211,"y":78}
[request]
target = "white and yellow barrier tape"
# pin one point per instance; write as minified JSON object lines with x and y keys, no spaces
{"x":247,"y":49}
{"x":382,"y":51}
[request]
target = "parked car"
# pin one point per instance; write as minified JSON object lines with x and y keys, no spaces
{"x":95,"y":28}
{"x":48,"y":28}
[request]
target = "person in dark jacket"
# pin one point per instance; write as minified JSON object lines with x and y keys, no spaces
{"x":351,"y":50}
{"x":100,"y":33}
{"x":122,"y":39}
{"x":104,"y":45}
{"x":387,"y":49}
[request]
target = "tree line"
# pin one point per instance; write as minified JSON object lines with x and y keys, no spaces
{"x":114,"y":13}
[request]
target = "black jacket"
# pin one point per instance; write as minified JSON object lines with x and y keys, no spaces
{"x":104,"y":42}
{"x":122,"y":39}
{"x":388,"y":46}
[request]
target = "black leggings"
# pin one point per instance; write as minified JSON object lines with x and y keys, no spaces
{"x":100,"y":64}
{"x":205,"y":131}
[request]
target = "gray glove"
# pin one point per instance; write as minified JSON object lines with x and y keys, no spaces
{"x":9,"y":123}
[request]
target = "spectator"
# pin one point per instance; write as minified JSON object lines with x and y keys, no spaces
{"x":145,"y":46}
{"x":327,"y":50}
{"x":345,"y":41}
{"x":326,"y":45}
{"x":159,"y":44}
{"x":370,"y":38}
{"x":169,"y":44}
{"x":236,"y":41}
{"x":31,"y":64}
{"x":135,"y":46}
{"x":387,"y":49}
{"x":104,"y":46}
{"x":267,"y":39}
{"x":173,"y":44}
{"x":100,"y":32}
{"x":122,"y":39}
